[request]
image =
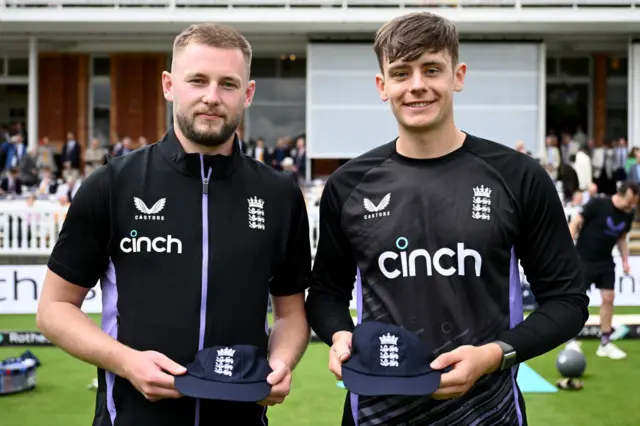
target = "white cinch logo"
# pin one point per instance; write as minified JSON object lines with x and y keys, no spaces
{"x":149,"y":213}
{"x":377,"y":211}
{"x":481,"y":206}
{"x":136,"y":244}
{"x":224,"y":362}
{"x":256,"y":213}
{"x":388,"y":350}
{"x":408,"y":261}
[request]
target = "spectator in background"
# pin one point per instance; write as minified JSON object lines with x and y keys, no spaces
{"x":46,"y":156}
{"x":631,"y":161}
{"x":259,"y":152}
{"x":279,"y":154}
{"x":580,"y":136}
{"x":10,"y":184}
{"x":94,"y":157}
{"x":582,"y":166}
{"x":300,"y":159}
{"x":69,"y":188}
{"x":550,"y":157}
{"x":70,"y":157}
{"x":48,"y":184}
{"x":634,"y":170}
{"x":621,"y":154}
{"x":28,"y":168}
{"x":125,"y":148}
{"x":569,"y":178}
{"x":568,"y":147}
{"x":142,"y":142}
{"x":13,"y":151}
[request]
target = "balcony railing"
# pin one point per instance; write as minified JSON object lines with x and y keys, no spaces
{"x":310,"y":4}
{"x":28,"y":230}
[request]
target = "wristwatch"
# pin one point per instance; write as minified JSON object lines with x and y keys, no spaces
{"x":508,"y":355}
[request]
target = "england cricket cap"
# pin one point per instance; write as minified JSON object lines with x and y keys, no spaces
{"x":230,"y":373}
{"x":388,"y":360}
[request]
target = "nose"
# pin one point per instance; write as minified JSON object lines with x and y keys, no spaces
{"x":417,"y":83}
{"x":210,"y":95}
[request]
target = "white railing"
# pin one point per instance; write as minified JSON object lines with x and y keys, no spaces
{"x":346,"y":4}
{"x":28,"y":230}
{"x":33,"y":231}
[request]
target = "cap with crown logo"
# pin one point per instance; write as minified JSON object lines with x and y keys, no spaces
{"x":389,"y":360}
{"x":230,"y":373}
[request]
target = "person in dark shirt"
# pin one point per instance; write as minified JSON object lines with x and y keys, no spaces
{"x":431,"y":227}
{"x":189,"y":238}
{"x":604,"y":223}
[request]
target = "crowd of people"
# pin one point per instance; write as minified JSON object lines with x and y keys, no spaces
{"x":55,"y":171}
{"x":581,"y":169}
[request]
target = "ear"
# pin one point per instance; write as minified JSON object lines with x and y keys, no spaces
{"x":167,"y":86}
{"x":250,"y":92}
{"x":460,"y":73}
{"x":381,"y":87}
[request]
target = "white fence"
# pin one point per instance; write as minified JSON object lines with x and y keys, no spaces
{"x":33,"y":230}
{"x":345,"y":4}
{"x":28,"y":230}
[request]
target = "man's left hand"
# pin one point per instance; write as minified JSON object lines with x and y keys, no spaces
{"x":280,"y":380}
{"x":468,"y":363}
{"x":625,"y":267}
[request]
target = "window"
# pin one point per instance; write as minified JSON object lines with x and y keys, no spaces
{"x":618,"y":67}
{"x":101,"y":66}
{"x":575,"y":67}
{"x":101,"y":102}
{"x":263,"y":67}
{"x":552,"y":66}
{"x":293,"y":67}
{"x":18,"y":67}
{"x":278,"y":109}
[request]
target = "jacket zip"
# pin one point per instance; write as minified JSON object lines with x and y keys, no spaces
{"x":205,"y":266}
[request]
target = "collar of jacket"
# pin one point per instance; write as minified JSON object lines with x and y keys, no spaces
{"x":222,"y":166}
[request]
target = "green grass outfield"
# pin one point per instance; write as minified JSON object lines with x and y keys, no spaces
{"x":610,"y":396}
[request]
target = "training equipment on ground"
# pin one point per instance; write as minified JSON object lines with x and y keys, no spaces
{"x":18,"y":374}
{"x":570,"y":384}
{"x":571,"y":363}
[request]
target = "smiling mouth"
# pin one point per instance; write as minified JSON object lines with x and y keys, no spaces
{"x":420,"y":104}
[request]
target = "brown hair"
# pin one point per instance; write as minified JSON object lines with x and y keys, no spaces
{"x":214,"y":35}
{"x":409,"y":36}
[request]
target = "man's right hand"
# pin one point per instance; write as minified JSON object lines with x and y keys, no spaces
{"x":152,"y":374}
{"x":340,"y":352}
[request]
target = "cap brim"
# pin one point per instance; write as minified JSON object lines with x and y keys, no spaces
{"x":195,"y":387}
{"x":365,"y":385}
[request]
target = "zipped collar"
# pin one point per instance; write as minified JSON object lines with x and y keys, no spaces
{"x":222,"y":166}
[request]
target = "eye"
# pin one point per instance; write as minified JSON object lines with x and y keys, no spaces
{"x":432,"y":71}
{"x":196,"y":81}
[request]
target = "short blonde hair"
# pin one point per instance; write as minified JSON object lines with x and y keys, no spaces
{"x":214,"y":35}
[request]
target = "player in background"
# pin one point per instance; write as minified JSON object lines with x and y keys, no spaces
{"x":603,"y":224}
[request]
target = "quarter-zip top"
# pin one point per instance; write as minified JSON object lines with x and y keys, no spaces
{"x":205,"y":264}
{"x":177,"y":275}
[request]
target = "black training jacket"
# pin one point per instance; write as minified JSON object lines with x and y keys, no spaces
{"x":187,"y":249}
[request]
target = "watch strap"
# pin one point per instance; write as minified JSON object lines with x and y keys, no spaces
{"x":508,"y":355}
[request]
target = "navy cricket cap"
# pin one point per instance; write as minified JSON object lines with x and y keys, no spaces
{"x":388,"y":360}
{"x":230,"y":373}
